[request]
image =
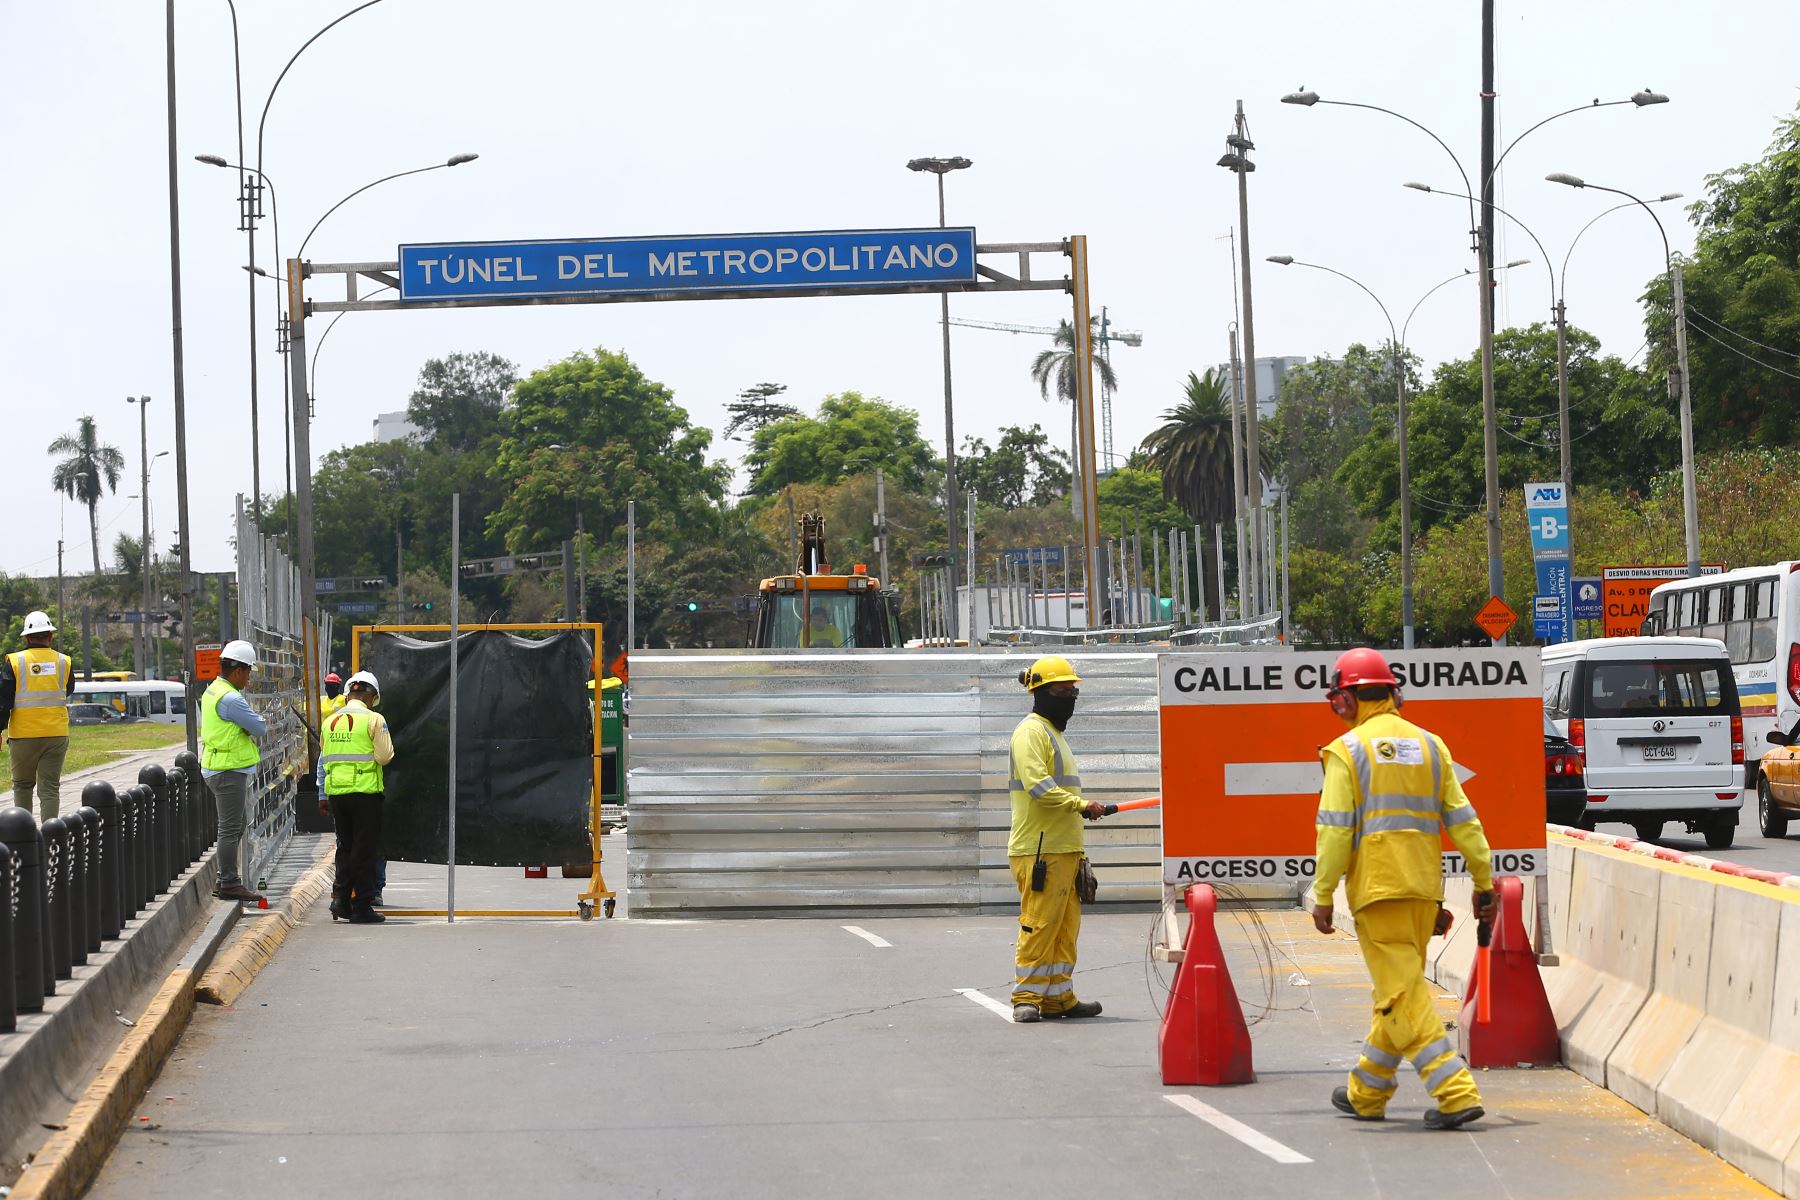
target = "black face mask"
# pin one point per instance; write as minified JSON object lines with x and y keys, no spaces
{"x":1055,"y":709}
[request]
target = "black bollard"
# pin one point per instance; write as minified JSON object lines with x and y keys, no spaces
{"x":30,"y":982}
{"x":200,"y":819}
{"x":144,"y":889}
{"x":128,"y":829}
{"x":156,"y":779}
{"x":9,"y":904}
{"x":105,"y":802}
{"x":56,"y":900}
{"x":178,"y":838}
{"x":90,"y":876}
{"x":73,"y":886}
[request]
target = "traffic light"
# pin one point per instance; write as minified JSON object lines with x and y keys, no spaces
{"x":693,"y":606}
{"x":373,"y":584}
{"x":422,"y":606}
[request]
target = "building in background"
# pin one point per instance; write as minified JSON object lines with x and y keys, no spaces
{"x":1269,"y":374}
{"x":394,"y":427}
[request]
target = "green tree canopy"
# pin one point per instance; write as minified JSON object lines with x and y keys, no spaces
{"x":458,"y":401}
{"x":1021,"y":469}
{"x":851,"y":434}
{"x":86,"y":470}
{"x":585,"y":435}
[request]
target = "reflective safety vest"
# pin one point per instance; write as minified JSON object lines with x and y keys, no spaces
{"x":1398,"y":812}
{"x":41,"y":693}
{"x":330,"y":704}
{"x":1046,"y":791}
{"x":226,"y":745}
{"x":347,"y":742}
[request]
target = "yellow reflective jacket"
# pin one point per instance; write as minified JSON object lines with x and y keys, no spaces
{"x":1390,"y":793}
{"x":1046,"y":791}
{"x":41,"y":678}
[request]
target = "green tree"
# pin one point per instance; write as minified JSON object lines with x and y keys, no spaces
{"x":1329,"y":593}
{"x":1743,"y":301}
{"x":586,"y":435}
{"x":851,"y":434}
{"x":86,"y":467}
{"x":1192,"y":452}
{"x":755,"y":407}
{"x":1021,"y":469}
{"x":459,"y":398}
{"x":1328,"y":408}
{"x":1056,"y":367}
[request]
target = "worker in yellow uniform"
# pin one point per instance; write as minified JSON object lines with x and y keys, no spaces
{"x":1390,"y":793}
{"x":334,"y":697}
{"x":1045,"y":848}
{"x":355,"y":745}
{"x":34,"y":711}
{"x":820,"y":630}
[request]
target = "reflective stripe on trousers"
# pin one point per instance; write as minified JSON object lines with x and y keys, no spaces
{"x":1049,"y":925}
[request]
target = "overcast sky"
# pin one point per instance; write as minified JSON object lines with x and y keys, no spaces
{"x":600,"y":119}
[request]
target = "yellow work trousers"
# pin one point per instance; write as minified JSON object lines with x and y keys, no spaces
{"x":1393,"y":935}
{"x":1049,"y":923}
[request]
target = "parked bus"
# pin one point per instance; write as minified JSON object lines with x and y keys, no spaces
{"x":112,"y":676}
{"x":1755,"y":611}
{"x":153,"y":700}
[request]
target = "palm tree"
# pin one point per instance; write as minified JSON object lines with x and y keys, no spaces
{"x":1192,"y":449}
{"x":1058,"y":364}
{"x":86,"y":464}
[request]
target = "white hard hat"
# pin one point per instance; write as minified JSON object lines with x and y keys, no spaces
{"x":38,"y":622}
{"x":366,"y":678}
{"x":239,"y":651}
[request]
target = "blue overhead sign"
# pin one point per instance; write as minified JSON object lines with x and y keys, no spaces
{"x":865,"y":258}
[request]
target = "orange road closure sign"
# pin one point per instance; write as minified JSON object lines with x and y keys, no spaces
{"x":1627,"y":589}
{"x":206,"y":661}
{"x":1496,"y":617}
{"x":1241,"y":738}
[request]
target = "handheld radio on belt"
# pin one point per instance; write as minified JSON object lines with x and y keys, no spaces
{"x":1038,"y":869}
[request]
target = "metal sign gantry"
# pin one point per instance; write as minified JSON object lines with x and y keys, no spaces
{"x":730,"y":267}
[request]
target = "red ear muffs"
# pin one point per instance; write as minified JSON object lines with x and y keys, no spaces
{"x":1342,"y":703}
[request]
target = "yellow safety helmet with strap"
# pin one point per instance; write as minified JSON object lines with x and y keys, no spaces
{"x":1052,"y":668}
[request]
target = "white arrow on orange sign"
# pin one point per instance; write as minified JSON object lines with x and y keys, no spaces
{"x":1291,"y":778}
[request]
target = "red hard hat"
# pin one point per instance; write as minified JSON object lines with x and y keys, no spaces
{"x":333,"y":678}
{"x":1362,"y":667}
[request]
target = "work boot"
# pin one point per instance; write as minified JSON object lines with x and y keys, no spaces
{"x":1081,"y":1008}
{"x":1026,"y":1014}
{"x":1438,"y":1119}
{"x":1340,"y":1100}
{"x":362,"y":914}
{"x":236,"y":891}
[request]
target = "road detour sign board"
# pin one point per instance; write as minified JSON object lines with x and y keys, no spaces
{"x":1241,"y":736}
{"x":1627,"y":593}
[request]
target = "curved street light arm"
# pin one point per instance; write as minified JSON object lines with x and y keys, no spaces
{"x":320,"y":344}
{"x":301,"y":253}
{"x":273,"y":88}
{"x":1407,"y":324}
{"x":1563,"y":284}
{"x":1548,"y":261}
{"x":1553,"y":116}
{"x":1467,"y":186}
{"x":1668,"y":255}
{"x":1393,"y":338}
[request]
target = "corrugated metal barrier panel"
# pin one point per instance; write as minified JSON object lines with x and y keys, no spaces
{"x":842,"y":779}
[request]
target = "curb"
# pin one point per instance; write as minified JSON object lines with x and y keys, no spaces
{"x":69,"y":1161}
{"x":234,"y":970}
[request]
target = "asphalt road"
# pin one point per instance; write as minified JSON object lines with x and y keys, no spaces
{"x":800,"y":1058}
{"x":1750,"y":848}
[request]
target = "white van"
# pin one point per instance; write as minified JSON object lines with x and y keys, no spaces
{"x":1755,"y":611}
{"x":153,"y":700}
{"x":1657,"y":723}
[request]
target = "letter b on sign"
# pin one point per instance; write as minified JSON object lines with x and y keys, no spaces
{"x":1548,"y":528}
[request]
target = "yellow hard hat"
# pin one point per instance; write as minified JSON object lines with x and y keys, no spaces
{"x":1052,"y":668}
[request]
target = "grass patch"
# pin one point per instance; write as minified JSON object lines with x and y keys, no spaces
{"x":96,"y":745}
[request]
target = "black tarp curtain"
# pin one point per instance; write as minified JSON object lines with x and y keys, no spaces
{"x":524,"y":747}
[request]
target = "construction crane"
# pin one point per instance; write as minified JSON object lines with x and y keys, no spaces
{"x":1105,"y":337}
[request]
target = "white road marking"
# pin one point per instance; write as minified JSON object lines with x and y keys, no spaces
{"x":988,"y":1002}
{"x":1262,"y":1143}
{"x":866,"y":936}
{"x":1291,"y":778}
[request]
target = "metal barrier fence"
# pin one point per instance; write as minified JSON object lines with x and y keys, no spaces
{"x":1258,"y":631}
{"x":269,"y":618}
{"x":75,"y":881}
{"x":866,"y":779}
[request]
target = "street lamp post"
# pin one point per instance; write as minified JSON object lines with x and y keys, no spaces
{"x":140,"y":646}
{"x":1237,"y":160}
{"x":941,"y":167}
{"x":1479,"y":227}
{"x":1398,"y":345}
{"x":1678,"y":378}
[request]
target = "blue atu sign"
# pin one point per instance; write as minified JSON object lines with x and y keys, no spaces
{"x":870,"y":258}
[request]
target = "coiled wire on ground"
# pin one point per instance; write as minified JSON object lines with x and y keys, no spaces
{"x":1266,"y":951}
